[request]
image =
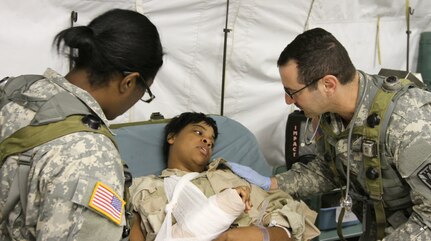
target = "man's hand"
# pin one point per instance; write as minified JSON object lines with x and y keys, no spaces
{"x":251,"y":175}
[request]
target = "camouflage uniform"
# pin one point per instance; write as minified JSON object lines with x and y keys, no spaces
{"x":149,"y":200}
{"x":407,"y":148}
{"x":61,"y":177}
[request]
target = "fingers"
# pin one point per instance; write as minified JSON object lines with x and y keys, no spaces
{"x":244,"y":193}
{"x":248,"y":206}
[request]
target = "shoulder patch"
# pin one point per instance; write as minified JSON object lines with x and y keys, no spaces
{"x":107,"y":202}
{"x":425,"y":175}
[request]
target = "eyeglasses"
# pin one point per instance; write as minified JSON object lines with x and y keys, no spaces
{"x":286,"y":90}
{"x":150,"y":97}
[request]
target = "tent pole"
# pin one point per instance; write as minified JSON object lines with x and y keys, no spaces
{"x":73,"y":19}
{"x":226,"y":31}
{"x":409,"y":11}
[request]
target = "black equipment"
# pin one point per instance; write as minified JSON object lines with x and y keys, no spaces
{"x":298,"y":145}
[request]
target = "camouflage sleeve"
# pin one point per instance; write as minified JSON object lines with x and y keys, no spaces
{"x":413,"y":229}
{"x":305,"y":180}
{"x":409,"y":140}
{"x":64,"y":181}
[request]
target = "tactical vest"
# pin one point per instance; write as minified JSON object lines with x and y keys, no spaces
{"x":383,"y":186}
{"x":56,"y":116}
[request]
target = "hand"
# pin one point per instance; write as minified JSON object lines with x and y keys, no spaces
{"x":244,"y":193}
{"x":250,"y":233}
{"x":251,"y":175}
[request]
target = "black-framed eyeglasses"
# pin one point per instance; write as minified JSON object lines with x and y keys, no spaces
{"x":150,"y":97}
{"x":287,"y":92}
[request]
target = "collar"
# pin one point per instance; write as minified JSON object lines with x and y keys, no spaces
{"x":54,"y":77}
{"x":212,"y":166}
{"x":361,"y":108}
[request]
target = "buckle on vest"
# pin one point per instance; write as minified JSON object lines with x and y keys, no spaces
{"x":369,"y":148}
{"x":392,"y":83}
{"x":92,"y":121}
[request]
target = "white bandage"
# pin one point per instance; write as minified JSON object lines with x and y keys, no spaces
{"x":198,"y":218}
{"x":210,"y":218}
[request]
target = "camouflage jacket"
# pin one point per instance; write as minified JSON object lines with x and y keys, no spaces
{"x":149,"y":200}
{"x":407,"y":146}
{"x":62,"y":177}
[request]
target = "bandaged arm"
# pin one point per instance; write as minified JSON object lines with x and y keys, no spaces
{"x":214,"y":217}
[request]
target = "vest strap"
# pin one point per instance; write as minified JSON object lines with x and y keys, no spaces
{"x":19,"y":142}
{"x":383,"y":105}
{"x":14,"y":88}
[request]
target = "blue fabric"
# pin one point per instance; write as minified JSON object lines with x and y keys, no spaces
{"x":140,"y":146}
{"x":251,"y":175}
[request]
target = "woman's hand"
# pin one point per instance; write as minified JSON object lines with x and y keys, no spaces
{"x":244,"y":193}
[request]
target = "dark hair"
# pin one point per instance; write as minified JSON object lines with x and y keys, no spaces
{"x":318,"y":53}
{"x":116,"y":41}
{"x":178,"y":123}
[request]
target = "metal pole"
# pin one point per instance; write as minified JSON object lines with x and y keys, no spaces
{"x":408,"y":32}
{"x":226,"y":31}
{"x":73,"y":19}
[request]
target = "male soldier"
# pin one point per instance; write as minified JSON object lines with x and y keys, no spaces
{"x":376,"y":139}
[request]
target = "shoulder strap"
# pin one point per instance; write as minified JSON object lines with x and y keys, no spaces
{"x":48,"y":110}
{"x":373,"y":149}
{"x":18,"y":188}
{"x":19,"y":142}
{"x":13,"y":89}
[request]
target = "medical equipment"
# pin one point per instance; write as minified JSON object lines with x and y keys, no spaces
{"x":299,"y":145}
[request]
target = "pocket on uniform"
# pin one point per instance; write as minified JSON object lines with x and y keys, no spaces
{"x":152,"y":210}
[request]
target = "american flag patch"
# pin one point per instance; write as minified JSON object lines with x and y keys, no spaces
{"x":107,"y":202}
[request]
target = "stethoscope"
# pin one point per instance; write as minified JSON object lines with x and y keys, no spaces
{"x":346,"y":201}
{"x":309,"y":141}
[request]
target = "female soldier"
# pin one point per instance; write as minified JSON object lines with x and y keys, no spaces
{"x":74,"y":182}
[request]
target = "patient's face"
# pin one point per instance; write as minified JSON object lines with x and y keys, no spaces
{"x":191,"y":148}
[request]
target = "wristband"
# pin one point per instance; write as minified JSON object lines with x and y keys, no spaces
{"x":264,"y":232}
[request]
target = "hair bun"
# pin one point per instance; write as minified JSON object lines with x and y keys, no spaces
{"x":80,"y":36}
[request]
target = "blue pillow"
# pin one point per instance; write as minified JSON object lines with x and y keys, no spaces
{"x":140,"y":145}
